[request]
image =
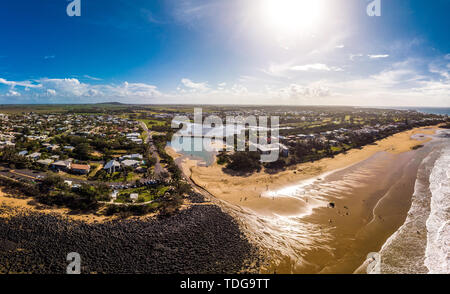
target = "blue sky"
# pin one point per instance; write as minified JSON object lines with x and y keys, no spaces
{"x":226,"y":52}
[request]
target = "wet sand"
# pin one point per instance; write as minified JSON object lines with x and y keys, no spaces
{"x":370,"y":190}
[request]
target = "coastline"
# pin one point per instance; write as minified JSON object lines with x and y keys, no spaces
{"x":246,"y":191}
{"x":34,"y":240}
{"x":371,"y":189}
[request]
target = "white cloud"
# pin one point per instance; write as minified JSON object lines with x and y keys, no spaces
{"x":12,"y":93}
{"x":202,"y":87}
{"x":296,"y":91}
{"x":92,"y":78}
{"x":378,"y":56}
{"x":353,"y":56}
{"x":315,"y":67}
{"x":27,"y":84}
{"x":73,"y":89}
{"x":288,"y":69}
{"x":51,"y":92}
{"x":443,"y":71}
{"x":133,"y":90}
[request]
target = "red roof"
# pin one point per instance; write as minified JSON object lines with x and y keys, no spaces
{"x":81,"y":166}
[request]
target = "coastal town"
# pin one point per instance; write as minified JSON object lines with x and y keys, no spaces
{"x":115,"y":162}
{"x":125,"y":152}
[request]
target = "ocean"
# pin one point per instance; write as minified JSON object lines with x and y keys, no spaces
{"x":430,"y":110}
{"x":422,"y":243}
{"x":395,"y":204}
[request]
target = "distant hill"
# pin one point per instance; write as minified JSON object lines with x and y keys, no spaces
{"x":111,"y":103}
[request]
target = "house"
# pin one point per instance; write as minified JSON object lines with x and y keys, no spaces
{"x":34,"y":156}
{"x":137,"y":141}
{"x":23,"y":153}
{"x":6,"y":143}
{"x":61,"y":165}
{"x":130,"y":163}
{"x":284,"y":151}
{"x":82,"y":169}
{"x":50,"y":147}
{"x":45,"y":162}
{"x":112,"y":166}
{"x":132,"y":156}
{"x":133,"y":135}
{"x":269,"y":148}
{"x":69,"y":148}
{"x":134,"y":196}
{"x":333,"y":142}
{"x":114,"y":194}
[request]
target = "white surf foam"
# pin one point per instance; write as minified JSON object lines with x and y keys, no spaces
{"x":437,"y":254}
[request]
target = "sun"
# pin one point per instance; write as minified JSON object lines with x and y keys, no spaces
{"x":292,"y":16}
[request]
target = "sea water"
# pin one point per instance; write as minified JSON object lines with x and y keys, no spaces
{"x":422,"y":243}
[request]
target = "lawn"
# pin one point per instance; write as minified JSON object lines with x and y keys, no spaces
{"x":145,"y":194}
{"x":153,"y":122}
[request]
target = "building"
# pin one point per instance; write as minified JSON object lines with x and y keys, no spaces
{"x":61,"y":165}
{"x":112,"y":166}
{"x":34,"y":156}
{"x":23,"y":153}
{"x":130,"y":163}
{"x":69,"y":148}
{"x":137,"y":141}
{"x":132,"y":156}
{"x":82,"y":169}
{"x":45,"y":162}
{"x":273,"y":148}
{"x":134,"y":196}
{"x":114,"y":194}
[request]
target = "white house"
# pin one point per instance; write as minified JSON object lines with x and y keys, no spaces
{"x":134,"y":196}
{"x":114,"y":194}
{"x":112,"y":166}
{"x":34,"y":156}
{"x":130,"y":163}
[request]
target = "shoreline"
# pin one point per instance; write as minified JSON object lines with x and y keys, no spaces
{"x":185,"y":243}
{"x":363,"y":216}
{"x":246,"y":191}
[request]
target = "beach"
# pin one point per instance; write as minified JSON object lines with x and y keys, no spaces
{"x":325,"y":216}
{"x":247,"y":191}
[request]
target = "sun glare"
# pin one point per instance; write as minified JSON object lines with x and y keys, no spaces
{"x":292,"y":16}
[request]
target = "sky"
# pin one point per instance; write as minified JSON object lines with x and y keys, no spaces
{"x":290,"y":52}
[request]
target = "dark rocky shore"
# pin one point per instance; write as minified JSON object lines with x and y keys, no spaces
{"x":200,"y":239}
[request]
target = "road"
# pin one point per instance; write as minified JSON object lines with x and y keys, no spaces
{"x":159,"y":170}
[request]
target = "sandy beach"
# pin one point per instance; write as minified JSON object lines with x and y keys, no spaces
{"x":246,"y":190}
{"x":370,"y":190}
